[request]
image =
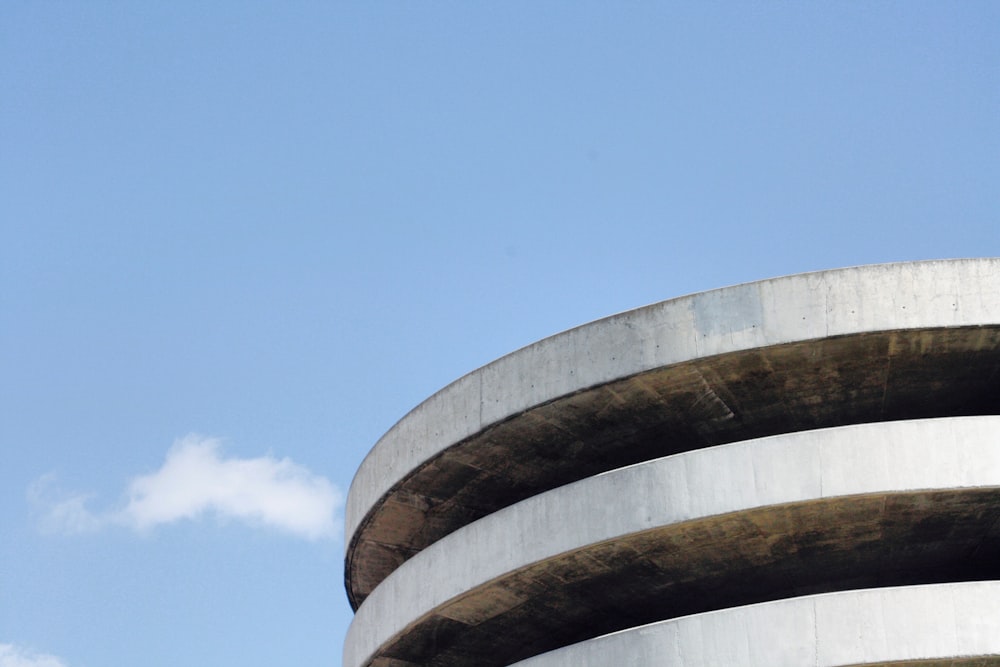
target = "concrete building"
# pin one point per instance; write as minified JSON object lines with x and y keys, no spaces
{"x":798,"y":471}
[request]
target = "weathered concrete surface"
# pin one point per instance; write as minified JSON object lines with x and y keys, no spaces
{"x":854,"y":345}
{"x":865,"y":505}
{"x":945,"y":624}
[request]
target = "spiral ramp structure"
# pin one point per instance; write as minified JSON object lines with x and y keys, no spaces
{"x":802,"y":471}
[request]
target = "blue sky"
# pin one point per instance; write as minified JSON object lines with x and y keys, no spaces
{"x":238,"y":241}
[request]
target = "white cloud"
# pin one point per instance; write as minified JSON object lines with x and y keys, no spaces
{"x":195,"y":481}
{"x":16,"y":656}
{"x":60,"y":512}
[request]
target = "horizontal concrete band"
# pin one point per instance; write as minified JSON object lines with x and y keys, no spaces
{"x":864,"y":344}
{"x":870,"y":504}
{"x":949,"y":624}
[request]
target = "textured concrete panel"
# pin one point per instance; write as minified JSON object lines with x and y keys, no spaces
{"x":864,"y":505}
{"x":944,"y":624}
{"x":838,"y":347}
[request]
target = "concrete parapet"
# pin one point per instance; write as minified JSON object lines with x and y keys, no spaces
{"x":855,"y":345}
{"x":805,"y":435}
{"x":743,"y":522}
{"x":944,"y":624}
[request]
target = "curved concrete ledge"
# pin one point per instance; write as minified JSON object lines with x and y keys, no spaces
{"x":863,"y":505}
{"x":863,"y":344}
{"x":956,"y":624}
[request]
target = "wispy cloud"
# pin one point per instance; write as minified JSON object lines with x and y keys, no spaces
{"x":195,"y":481}
{"x":60,"y":512}
{"x":16,"y":656}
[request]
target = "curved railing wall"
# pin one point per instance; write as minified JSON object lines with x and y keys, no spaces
{"x":802,"y":435}
{"x":922,"y":626}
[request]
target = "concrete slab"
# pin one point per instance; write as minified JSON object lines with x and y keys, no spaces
{"x":945,"y":625}
{"x":855,"y":506}
{"x":838,"y":347}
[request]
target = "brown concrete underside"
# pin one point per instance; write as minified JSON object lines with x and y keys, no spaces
{"x":870,"y":377}
{"x":741,"y":558}
{"x":981,"y":661}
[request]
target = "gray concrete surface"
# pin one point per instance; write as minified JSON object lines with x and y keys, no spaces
{"x":837,"y":347}
{"x":945,"y":624}
{"x":864,"y":505}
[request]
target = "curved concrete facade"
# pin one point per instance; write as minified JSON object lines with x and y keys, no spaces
{"x":817,"y":433}
{"x":948,"y":624}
